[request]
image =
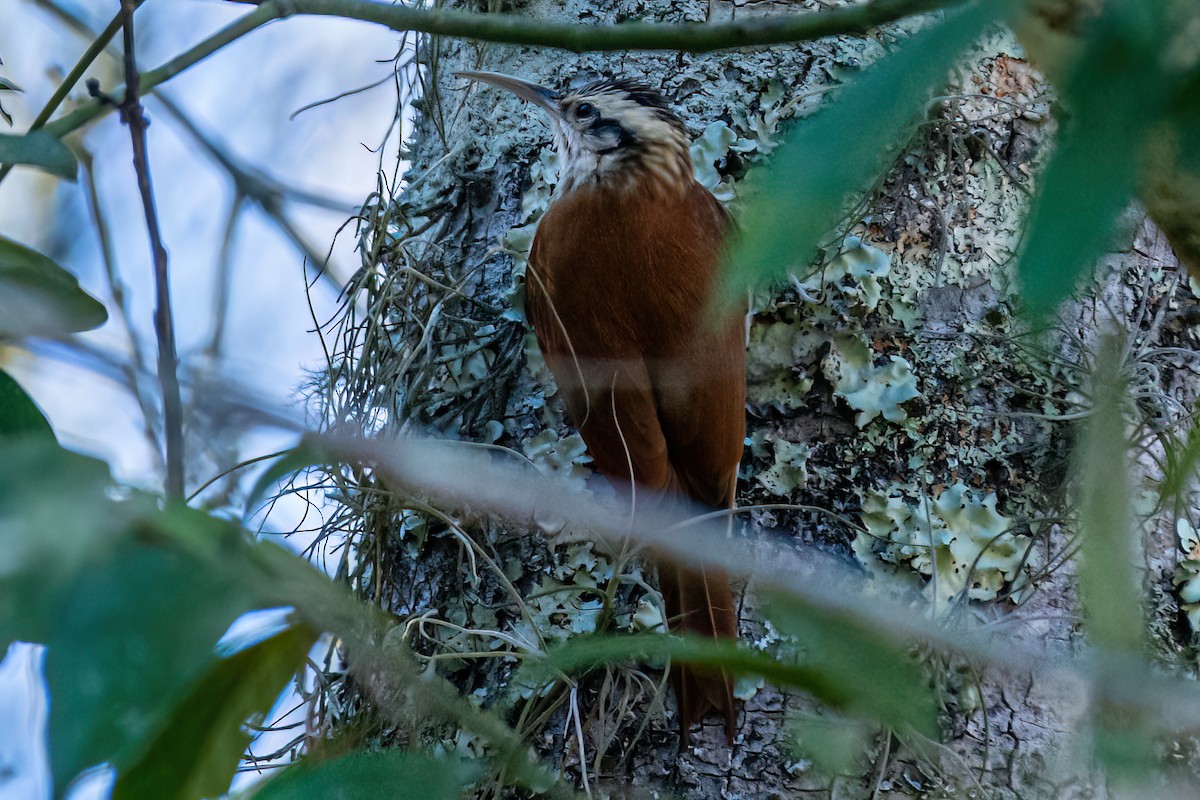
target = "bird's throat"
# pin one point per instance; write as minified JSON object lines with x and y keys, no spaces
{"x":659,"y":167}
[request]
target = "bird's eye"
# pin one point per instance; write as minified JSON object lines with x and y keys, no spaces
{"x":584,"y":110}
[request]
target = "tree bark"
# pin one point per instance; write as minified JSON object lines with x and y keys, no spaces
{"x":878,"y":389}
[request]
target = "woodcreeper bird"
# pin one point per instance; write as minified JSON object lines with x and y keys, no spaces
{"x":618,"y":288}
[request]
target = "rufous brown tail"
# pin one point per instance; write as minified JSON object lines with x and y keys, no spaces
{"x":700,"y":602}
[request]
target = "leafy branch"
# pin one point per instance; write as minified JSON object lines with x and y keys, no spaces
{"x":511,"y":29}
{"x":89,"y":55}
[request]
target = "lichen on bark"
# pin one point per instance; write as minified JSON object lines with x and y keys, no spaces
{"x":901,"y":372}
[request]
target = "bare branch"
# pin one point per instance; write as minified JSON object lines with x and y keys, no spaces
{"x":512,"y":29}
{"x":264,"y":190}
{"x":686,"y":37}
{"x":133,"y":115}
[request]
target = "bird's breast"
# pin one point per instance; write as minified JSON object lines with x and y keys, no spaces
{"x":630,"y":270}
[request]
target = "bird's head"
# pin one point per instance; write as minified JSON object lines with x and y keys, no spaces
{"x":615,"y":133}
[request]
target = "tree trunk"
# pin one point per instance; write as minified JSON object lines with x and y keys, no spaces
{"x":894,"y":388}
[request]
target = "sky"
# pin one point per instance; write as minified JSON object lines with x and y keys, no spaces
{"x":243,"y":99}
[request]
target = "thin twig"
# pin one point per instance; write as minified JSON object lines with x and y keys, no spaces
{"x":68,"y":83}
{"x":883,"y":762}
{"x":133,"y":115}
{"x":265,"y":191}
{"x":224,"y":278}
{"x":136,"y":367}
{"x":240,"y":465}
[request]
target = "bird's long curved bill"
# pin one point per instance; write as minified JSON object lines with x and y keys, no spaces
{"x":538,"y":95}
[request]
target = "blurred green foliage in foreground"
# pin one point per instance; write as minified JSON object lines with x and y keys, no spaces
{"x":130,"y":597}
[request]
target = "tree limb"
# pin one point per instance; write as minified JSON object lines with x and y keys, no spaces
{"x":688,"y":37}
{"x":577,"y":38}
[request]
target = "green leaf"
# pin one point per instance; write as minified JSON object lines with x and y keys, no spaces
{"x":131,"y":640}
{"x":837,"y":745}
{"x":19,"y":415}
{"x":47,"y":540}
{"x":369,"y":776}
{"x":870,"y":674}
{"x":1115,"y":94}
{"x":1183,"y":462}
{"x":1185,"y":113}
{"x":39,"y":149}
{"x":888,"y":688}
{"x":309,"y":452}
{"x":1109,"y":580}
{"x":129,"y":602}
{"x":128,"y":616}
{"x":40,"y":298}
{"x":197,"y":753}
{"x":800,"y":194}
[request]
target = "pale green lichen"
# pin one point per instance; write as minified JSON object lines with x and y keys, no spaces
{"x":466,"y":746}
{"x":871,"y":389}
{"x":707,"y":149}
{"x":854,"y":273}
{"x":717,"y":141}
{"x":779,"y":349}
{"x":412,"y":529}
{"x":746,"y":686}
{"x":569,"y":600}
{"x":649,"y":616}
{"x":752,"y":133}
{"x":543,"y":173}
{"x":774,"y":374}
{"x":958,"y":540}
{"x":760,"y":124}
{"x":543,"y":176}
{"x":563,"y":457}
{"x":788,"y":470}
{"x":539,"y":370}
{"x":1187,"y":574}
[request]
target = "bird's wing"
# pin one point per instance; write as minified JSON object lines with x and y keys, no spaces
{"x":657,"y":395}
{"x":655,"y":387}
{"x":611,"y":400}
{"x":701,"y":393}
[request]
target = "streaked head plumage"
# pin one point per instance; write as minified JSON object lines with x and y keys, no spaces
{"x":613,"y":132}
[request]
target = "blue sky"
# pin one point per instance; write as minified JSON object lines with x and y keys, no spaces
{"x":243,"y":98}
